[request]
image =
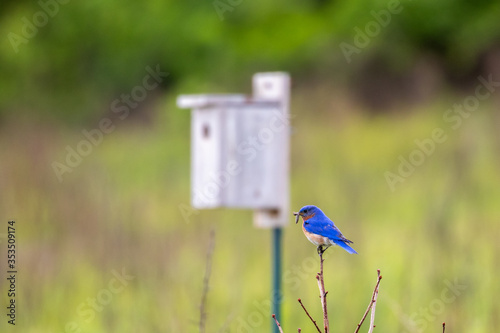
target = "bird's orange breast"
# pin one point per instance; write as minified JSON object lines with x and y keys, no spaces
{"x":316,"y":239}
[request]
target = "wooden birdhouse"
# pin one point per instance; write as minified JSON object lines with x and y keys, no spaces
{"x":240,"y":149}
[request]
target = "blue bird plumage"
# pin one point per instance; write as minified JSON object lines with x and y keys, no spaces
{"x":320,"y":230}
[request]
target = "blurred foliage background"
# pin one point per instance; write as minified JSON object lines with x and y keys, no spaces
{"x":120,"y":208}
{"x":88,"y":52}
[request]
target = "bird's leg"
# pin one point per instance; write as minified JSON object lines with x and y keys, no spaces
{"x":320,"y":250}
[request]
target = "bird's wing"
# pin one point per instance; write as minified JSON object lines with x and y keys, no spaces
{"x":325,"y":228}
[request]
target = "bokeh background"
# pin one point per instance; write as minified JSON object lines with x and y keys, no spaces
{"x":371,"y":80}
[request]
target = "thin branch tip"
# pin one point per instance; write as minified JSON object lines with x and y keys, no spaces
{"x":277,"y":323}
{"x":307,"y":313}
{"x":371,"y":307}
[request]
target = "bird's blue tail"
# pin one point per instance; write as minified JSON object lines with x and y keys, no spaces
{"x":346,"y":247}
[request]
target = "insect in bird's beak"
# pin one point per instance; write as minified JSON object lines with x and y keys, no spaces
{"x":297,"y":215}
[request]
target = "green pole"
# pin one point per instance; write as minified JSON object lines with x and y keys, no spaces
{"x":276,"y":293}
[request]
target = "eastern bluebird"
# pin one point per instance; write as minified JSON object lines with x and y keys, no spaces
{"x":320,"y":230}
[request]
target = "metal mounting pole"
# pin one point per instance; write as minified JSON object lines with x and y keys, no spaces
{"x":276,"y":293}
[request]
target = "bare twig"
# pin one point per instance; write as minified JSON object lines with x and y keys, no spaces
{"x":307,"y":313}
{"x":372,"y":303}
{"x":322,"y":294}
{"x":206,"y":280}
{"x":444,"y":326}
{"x":277,"y":323}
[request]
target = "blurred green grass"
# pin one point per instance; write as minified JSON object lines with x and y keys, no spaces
{"x":120,"y":210}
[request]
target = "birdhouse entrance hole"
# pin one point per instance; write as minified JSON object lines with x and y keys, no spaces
{"x":206,"y":131}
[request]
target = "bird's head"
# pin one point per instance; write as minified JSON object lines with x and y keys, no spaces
{"x":307,"y":212}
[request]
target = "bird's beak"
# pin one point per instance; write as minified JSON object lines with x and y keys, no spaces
{"x":296,"y":217}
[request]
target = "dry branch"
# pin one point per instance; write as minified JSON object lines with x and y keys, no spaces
{"x":307,"y":313}
{"x":372,"y":303}
{"x":277,"y":323}
{"x":206,"y":280}
{"x":322,"y":294}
